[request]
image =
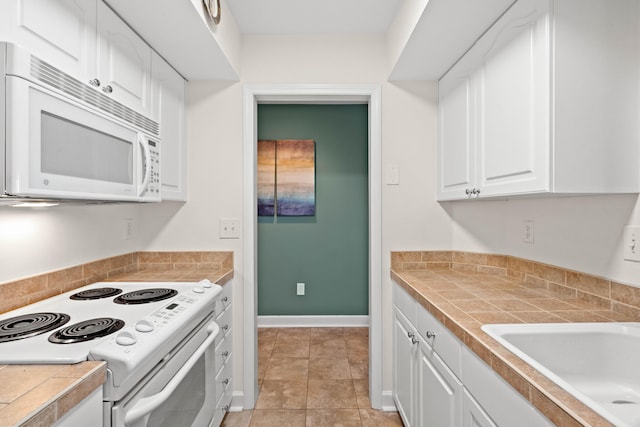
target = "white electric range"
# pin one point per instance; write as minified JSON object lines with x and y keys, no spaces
{"x":155,"y":337}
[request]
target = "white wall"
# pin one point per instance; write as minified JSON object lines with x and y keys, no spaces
{"x":580,"y":233}
{"x":35,"y":241}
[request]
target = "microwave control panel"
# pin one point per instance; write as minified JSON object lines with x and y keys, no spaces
{"x":153,"y":190}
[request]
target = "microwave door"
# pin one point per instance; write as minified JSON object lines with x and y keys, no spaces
{"x":59,"y":148}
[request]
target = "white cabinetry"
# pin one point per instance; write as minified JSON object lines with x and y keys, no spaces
{"x":404,"y":367}
{"x":426,"y":391}
{"x":87,"y":412}
{"x":538,"y":105}
{"x":439,"y":396}
{"x":168,"y":109}
{"x":472,"y":413}
{"x":62,"y":32}
{"x":223,"y":354}
{"x":86,"y":40}
{"x":438,"y":381}
{"x":124,"y":62}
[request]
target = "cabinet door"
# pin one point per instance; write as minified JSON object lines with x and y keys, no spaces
{"x":404,"y":353}
{"x":514,"y":101}
{"x":168,"y":109}
{"x":456,"y":161}
{"x":124,"y":62}
{"x":61,"y":33}
{"x":439,"y":392}
{"x":472,"y":413}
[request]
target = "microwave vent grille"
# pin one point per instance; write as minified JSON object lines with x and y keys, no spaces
{"x":53,"y":77}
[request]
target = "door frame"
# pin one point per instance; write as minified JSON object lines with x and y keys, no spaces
{"x":310,"y":94}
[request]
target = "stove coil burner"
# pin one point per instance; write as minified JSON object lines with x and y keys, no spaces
{"x":144,"y":296}
{"x":29,"y":325}
{"x":86,"y":331}
{"x":97,"y":293}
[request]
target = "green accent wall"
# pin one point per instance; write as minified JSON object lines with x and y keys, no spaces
{"x":329,"y":251}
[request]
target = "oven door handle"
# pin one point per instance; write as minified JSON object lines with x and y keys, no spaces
{"x":148,"y":404}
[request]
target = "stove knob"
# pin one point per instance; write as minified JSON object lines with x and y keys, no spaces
{"x":206,"y":284}
{"x":126,"y":338}
{"x":198,"y":290}
{"x":144,"y":326}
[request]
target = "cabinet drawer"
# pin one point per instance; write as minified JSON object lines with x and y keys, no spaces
{"x":224,"y":300}
{"x":223,"y":382}
{"x":437,"y":336}
{"x":223,"y":353}
{"x":224,"y":321}
{"x":405,"y":303}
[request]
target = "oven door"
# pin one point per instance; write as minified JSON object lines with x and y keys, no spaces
{"x":181,"y":393}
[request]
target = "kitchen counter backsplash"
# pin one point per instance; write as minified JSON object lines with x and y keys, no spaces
{"x":564,"y":283}
{"x":147,"y":266}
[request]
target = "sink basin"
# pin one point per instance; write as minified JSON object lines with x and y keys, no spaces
{"x":598,"y":363}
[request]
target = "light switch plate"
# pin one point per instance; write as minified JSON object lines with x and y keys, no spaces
{"x":631,"y":242}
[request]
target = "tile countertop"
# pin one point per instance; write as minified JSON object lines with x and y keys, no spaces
{"x":464,"y":301}
{"x":38,"y":395}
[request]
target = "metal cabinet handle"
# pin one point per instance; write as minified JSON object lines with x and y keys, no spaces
{"x":225,"y":408}
{"x":224,"y":327}
{"x":413,"y":337}
{"x":107,"y":89}
{"x":224,"y":354}
{"x":430,"y":334}
{"x":225,"y":381}
{"x":224,"y":299}
{"x":94,"y":82}
{"x":467,"y":191}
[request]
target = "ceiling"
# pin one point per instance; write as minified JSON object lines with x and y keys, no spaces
{"x":313,"y":16}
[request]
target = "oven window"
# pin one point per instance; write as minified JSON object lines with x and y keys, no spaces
{"x":71,"y":149}
{"x":184,"y":405}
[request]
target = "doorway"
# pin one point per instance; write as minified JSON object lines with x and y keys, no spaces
{"x":310,"y":94}
{"x":326,"y":247}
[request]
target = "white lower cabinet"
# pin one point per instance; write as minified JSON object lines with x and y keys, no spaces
{"x":439,"y":392}
{"x":472,"y":413}
{"x":224,"y":355}
{"x":404,"y":367}
{"x":439,"y":382}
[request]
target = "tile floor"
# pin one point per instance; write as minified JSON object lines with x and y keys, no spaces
{"x":313,"y":377}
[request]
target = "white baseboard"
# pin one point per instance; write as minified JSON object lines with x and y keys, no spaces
{"x":388,"y":404}
{"x":237,"y":402}
{"x":312,"y":321}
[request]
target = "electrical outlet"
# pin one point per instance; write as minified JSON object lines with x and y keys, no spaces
{"x":300,"y":289}
{"x":528,"y":231}
{"x":631,"y":242}
{"x":129,"y":229}
{"x":230,"y":228}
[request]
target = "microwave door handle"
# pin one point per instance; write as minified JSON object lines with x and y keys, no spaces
{"x":148,"y":404}
{"x":147,"y":165}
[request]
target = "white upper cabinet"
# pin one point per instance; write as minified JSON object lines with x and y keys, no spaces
{"x":61,"y":32}
{"x":124,"y":62}
{"x":168,"y":109}
{"x":545,"y":102}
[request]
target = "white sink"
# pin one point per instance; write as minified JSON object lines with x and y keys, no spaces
{"x":598,"y":363}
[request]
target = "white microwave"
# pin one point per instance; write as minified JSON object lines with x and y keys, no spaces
{"x":62,"y":139}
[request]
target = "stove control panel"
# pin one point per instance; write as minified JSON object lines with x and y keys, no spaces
{"x":140,"y":341}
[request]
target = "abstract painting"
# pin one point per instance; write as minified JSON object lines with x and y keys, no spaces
{"x":295,"y":177}
{"x":266,"y":177}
